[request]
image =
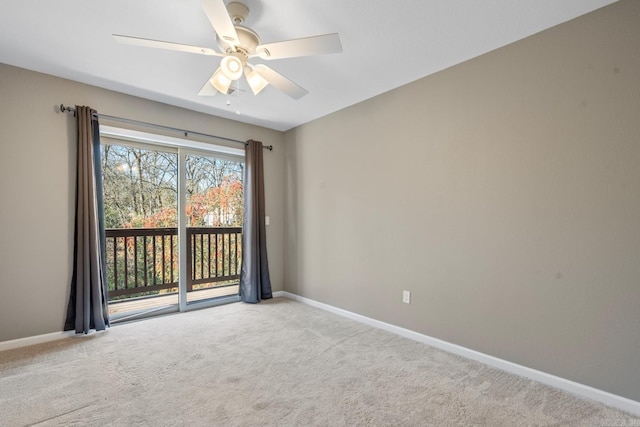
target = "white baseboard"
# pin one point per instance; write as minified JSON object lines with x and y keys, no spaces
{"x":38,"y":339}
{"x":573,"y":387}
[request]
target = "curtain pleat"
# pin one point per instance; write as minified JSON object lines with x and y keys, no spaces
{"x":88,"y":303}
{"x":255,"y":283}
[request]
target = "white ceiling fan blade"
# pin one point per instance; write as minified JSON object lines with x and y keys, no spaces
{"x":159,"y":44}
{"x":217,"y":13}
{"x":280,"y":82}
{"x":315,"y":45}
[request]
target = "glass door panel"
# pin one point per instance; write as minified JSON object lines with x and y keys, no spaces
{"x":141,"y":228}
{"x":214,"y":212}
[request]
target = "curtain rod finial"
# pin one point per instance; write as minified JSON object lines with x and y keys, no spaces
{"x":64,"y":109}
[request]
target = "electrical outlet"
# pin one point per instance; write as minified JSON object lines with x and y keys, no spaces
{"x":406,"y":297}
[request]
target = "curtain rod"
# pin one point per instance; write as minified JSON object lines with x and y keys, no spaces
{"x":65,"y":109}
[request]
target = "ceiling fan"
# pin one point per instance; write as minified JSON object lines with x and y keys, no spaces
{"x":239,"y":44}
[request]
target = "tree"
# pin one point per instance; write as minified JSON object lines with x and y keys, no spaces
{"x":140,"y":188}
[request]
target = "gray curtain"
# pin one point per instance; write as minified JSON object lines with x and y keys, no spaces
{"x":88,"y":303}
{"x":255,"y":283}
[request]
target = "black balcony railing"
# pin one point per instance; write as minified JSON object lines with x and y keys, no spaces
{"x":144,"y":261}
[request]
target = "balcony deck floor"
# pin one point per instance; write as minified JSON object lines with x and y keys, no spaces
{"x":155,"y":302}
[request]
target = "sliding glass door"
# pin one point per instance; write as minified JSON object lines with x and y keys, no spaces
{"x":173,"y":222}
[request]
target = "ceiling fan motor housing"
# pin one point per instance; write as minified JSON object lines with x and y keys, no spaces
{"x":248,"y":38}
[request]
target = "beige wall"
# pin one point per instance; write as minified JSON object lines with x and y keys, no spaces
{"x":503,"y":193}
{"x":37,"y":180}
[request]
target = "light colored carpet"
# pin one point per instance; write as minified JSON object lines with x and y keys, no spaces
{"x":275,"y":363}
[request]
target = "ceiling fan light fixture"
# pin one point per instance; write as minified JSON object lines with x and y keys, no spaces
{"x":256,"y":81}
{"x":220,"y":81}
{"x":231,"y":67}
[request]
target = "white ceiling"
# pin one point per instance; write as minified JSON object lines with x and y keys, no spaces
{"x":387,"y":43}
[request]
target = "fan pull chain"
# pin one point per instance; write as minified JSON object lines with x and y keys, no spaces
{"x":238,"y":97}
